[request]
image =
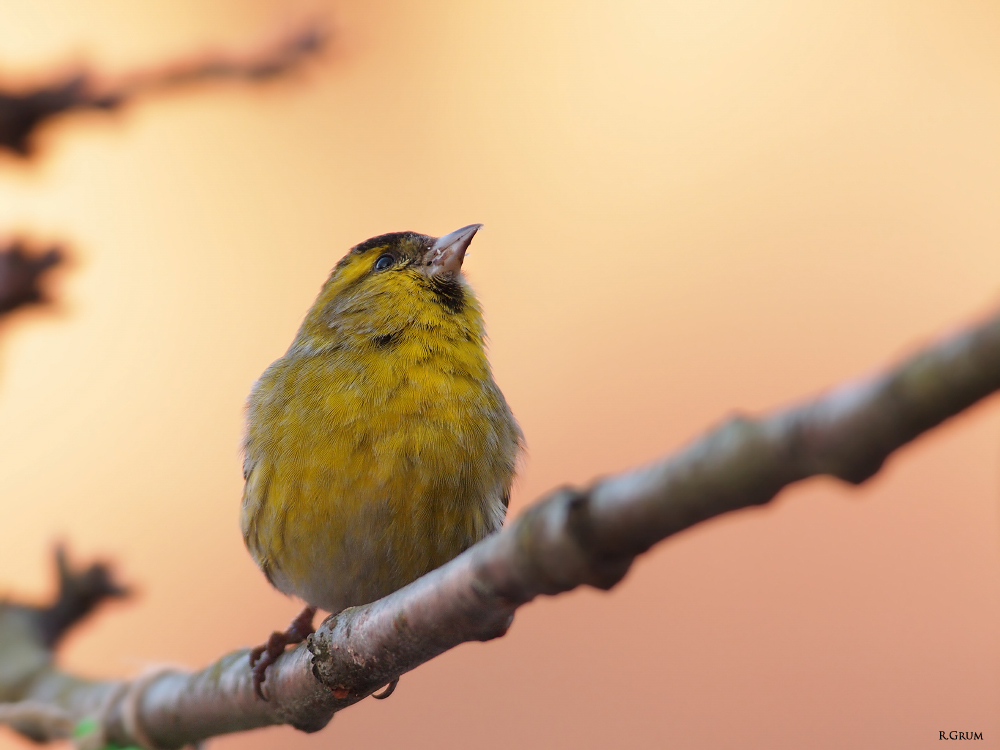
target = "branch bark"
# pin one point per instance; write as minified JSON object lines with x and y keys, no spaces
{"x":573,"y":537}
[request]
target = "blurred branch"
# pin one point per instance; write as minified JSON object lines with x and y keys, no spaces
{"x":22,"y":113}
{"x":37,"y":721}
{"x":80,"y":591}
{"x":573,"y":537}
{"x":28,"y":635}
{"x":21,"y":272}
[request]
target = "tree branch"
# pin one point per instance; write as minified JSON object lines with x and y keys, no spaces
{"x":22,"y":113}
{"x":79,"y":594}
{"x":27,"y":637}
{"x":573,"y":537}
{"x":21,"y":272}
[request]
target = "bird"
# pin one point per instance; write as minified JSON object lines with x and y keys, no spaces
{"x":379,"y":446}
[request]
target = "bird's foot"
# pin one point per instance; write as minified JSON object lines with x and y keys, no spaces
{"x":264,"y":656}
{"x":387,"y":691}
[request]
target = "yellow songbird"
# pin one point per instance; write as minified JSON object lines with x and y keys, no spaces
{"x":378,"y":447}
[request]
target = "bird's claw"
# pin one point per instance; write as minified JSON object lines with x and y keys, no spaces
{"x":264,"y":656}
{"x":387,"y":692}
{"x":261,"y":657}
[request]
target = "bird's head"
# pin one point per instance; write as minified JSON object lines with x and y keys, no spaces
{"x":390,"y":283}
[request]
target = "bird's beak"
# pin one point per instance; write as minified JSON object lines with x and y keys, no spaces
{"x":445,"y":256}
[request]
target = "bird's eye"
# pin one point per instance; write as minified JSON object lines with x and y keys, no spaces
{"x":384,"y":262}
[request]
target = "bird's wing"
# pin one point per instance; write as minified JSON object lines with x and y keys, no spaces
{"x":257,"y":476}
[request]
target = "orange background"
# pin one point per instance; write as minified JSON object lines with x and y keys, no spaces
{"x":690,"y":208}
